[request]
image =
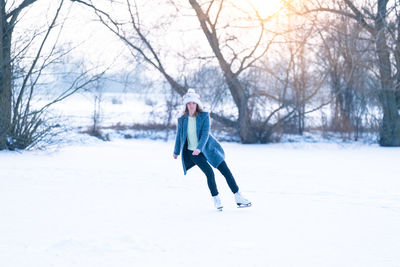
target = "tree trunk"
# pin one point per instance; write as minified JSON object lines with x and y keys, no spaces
{"x":390,"y":128}
{"x":5,"y":77}
{"x":246,"y":133}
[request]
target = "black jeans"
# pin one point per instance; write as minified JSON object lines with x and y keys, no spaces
{"x":201,"y":161}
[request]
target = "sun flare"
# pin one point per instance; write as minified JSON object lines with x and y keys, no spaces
{"x":264,"y":7}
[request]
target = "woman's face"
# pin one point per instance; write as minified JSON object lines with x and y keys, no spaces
{"x":191,"y":106}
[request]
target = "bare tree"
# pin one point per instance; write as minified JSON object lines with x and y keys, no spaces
{"x":287,"y":82}
{"x":235,"y":56}
{"x":380,"y":20}
{"x":209,"y":15}
{"x":8,"y":113}
{"x":22,"y":124}
{"x":346,"y":55}
{"x":139,"y":44}
{"x":238,"y":63}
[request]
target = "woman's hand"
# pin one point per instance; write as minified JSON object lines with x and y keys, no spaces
{"x":196,"y":152}
{"x":175,"y":156}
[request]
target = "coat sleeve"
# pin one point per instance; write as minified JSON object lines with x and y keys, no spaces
{"x":177,"y":138}
{"x":204,"y":132}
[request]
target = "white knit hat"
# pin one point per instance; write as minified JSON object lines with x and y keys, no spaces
{"x":191,"y":96}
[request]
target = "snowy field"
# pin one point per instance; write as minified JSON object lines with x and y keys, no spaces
{"x":127,"y":203}
{"x":123,"y":108}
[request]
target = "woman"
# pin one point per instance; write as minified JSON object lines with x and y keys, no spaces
{"x":199,"y":147}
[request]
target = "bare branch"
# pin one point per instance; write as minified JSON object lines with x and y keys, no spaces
{"x":224,"y":120}
{"x":218,"y":13}
{"x":356,"y":15}
{"x":38,"y":54}
{"x":14,"y":13}
{"x":360,"y":17}
{"x":71,"y":90}
{"x":153,"y":59}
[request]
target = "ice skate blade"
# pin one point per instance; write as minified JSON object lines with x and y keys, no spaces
{"x":219,"y":209}
{"x":239,"y":205}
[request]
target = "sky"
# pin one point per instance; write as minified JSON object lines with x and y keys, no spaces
{"x":98,"y":45}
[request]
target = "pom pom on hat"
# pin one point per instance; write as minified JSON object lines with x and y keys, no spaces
{"x":191,"y":96}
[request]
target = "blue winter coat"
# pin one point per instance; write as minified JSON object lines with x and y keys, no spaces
{"x":208,"y":145}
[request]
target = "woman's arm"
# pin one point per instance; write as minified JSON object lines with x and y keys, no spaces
{"x":177,"y":140}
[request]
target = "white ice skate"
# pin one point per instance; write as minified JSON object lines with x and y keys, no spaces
{"x":241,"y":201}
{"x":217,"y":203}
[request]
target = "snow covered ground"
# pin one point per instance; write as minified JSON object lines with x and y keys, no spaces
{"x":127,"y":203}
{"x":125,"y":108}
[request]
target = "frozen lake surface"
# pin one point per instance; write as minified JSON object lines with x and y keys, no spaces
{"x":127,"y":203}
